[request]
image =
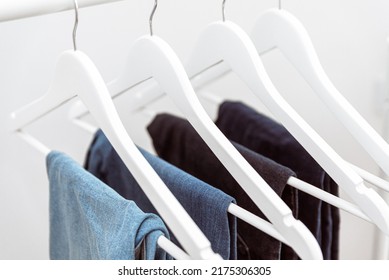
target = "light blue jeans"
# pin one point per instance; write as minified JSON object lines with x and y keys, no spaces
{"x":90,"y":221}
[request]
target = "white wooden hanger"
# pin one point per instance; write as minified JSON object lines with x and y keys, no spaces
{"x":225,"y":41}
{"x":150,"y":57}
{"x":76,"y":75}
{"x":277,"y":28}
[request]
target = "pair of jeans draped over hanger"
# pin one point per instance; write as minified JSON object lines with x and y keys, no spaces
{"x":263,"y":135}
{"x":90,"y":221}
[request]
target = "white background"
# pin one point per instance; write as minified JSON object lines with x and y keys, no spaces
{"x":349,"y":36}
{"x":64,"y":270}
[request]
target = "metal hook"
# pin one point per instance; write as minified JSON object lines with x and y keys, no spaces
{"x":75,"y":25}
{"x":152,"y":16}
{"x":224,"y":10}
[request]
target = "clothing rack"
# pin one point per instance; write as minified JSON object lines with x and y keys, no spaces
{"x":18,"y":9}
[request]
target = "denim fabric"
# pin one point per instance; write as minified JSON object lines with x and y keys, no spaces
{"x":206,"y":205}
{"x":177,"y":142}
{"x":89,"y":220}
{"x":265,"y":136}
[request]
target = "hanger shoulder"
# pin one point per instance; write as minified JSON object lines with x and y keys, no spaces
{"x":75,"y":75}
{"x":280,"y":29}
{"x":220,"y":42}
{"x":59,"y":92}
{"x":151,"y":57}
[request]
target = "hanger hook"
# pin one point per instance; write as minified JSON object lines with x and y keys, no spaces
{"x":75,"y":25}
{"x":224,"y":10}
{"x":152,"y":16}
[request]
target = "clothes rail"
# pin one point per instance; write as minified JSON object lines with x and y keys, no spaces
{"x":18,"y":9}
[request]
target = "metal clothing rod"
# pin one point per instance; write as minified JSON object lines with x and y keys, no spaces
{"x":18,"y":9}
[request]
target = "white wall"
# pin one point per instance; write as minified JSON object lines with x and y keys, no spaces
{"x":349,"y":35}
